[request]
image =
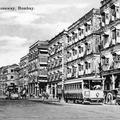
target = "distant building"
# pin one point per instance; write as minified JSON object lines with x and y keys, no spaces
{"x":8,"y":75}
{"x":37,"y":67}
{"x":23,"y":72}
{"x":12,"y":74}
{"x":3,"y":79}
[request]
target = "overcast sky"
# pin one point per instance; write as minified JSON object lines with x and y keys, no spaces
{"x":20,"y":28}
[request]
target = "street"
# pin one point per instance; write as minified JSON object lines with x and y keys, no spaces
{"x":26,"y":110}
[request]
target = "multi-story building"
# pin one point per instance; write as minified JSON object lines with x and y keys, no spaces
{"x":110,"y":43}
{"x":83,"y":47}
{"x":37,"y":67}
{"x":3,"y":79}
{"x":9,"y":76}
{"x":56,"y":71}
{"x":23,"y":72}
{"x":12,"y":74}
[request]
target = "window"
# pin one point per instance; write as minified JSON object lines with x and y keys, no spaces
{"x":80,"y":49}
{"x":107,"y":16}
{"x":74,"y":35}
{"x":73,"y":71}
{"x":69,"y":39}
{"x":88,"y":46}
{"x":103,"y":17}
{"x":114,"y":11}
{"x":80,"y":67}
{"x":12,"y":77}
{"x":86,"y":84}
{"x":88,"y":65}
{"x":105,"y":38}
{"x":117,"y":58}
{"x":106,"y":61}
{"x":74,"y":52}
{"x":118,"y":32}
{"x":12,"y":70}
{"x":114,"y":34}
{"x":68,"y":70}
{"x":81,"y":31}
{"x":87,"y":27}
{"x":68,"y":54}
{"x":79,"y":85}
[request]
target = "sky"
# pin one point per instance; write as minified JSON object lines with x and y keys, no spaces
{"x":42,"y":20}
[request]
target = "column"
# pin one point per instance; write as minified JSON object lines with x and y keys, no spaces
{"x":35,"y":89}
{"x":48,"y":89}
{"x":103,"y":82}
{"x":28,"y":89}
{"x":51,"y":91}
{"x":55,"y":91}
{"x":113,"y":78}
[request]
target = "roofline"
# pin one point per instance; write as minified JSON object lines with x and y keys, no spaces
{"x":83,"y":17}
{"x":59,"y":34}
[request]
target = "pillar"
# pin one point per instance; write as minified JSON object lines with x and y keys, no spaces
{"x":51,"y":91}
{"x":113,"y":78}
{"x":28,"y":89}
{"x":47,"y":89}
{"x":35,"y":89}
{"x":55,"y":90}
{"x":103,"y":85}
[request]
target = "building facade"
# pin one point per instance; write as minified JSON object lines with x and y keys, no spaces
{"x":12,"y":74}
{"x":82,"y":47}
{"x":3,"y":79}
{"x":9,"y":76}
{"x":23,"y":73}
{"x":56,"y":64}
{"x":37,"y":67}
{"x":110,"y":43}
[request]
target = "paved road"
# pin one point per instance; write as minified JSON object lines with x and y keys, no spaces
{"x":24,"y":110}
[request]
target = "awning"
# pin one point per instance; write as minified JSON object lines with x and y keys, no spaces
{"x":117,"y":26}
{"x":105,"y":56}
{"x":81,"y":62}
{"x":117,"y":52}
{"x":70,"y":35}
{"x":116,"y":4}
{"x":76,"y":31}
{"x":82,"y":27}
{"x":106,"y":11}
{"x":106,"y":33}
{"x":89,"y":22}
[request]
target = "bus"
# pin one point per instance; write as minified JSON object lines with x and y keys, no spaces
{"x":83,"y":90}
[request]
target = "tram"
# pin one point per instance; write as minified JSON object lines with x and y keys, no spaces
{"x":83,"y":90}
